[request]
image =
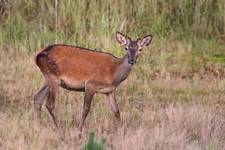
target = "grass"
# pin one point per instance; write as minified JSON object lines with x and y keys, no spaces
{"x":92,"y":144}
{"x":159,"y":111}
{"x":173,"y":99}
{"x":103,"y":18}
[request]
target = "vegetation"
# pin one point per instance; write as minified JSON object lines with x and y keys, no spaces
{"x":92,"y":144}
{"x":173,"y":99}
{"x":197,"y":27}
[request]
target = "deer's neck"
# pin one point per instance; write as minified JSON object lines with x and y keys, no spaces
{"x":122,"y":71}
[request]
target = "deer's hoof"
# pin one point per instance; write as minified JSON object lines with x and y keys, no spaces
{"x":78,"y":134}
{"x":61,"y":134}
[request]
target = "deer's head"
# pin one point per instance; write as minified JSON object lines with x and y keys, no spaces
{"x":133,"y":47}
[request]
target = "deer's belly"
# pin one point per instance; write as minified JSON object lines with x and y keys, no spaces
{"x":105,"y":90}
{"x":79,"y":85}
{"x":72,"y":84}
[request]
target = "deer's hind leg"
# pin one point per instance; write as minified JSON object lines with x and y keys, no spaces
{"x":50,"y":103}
{"x":39,"y":98}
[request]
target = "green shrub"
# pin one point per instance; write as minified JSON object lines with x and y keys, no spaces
{"x":92,"y":144}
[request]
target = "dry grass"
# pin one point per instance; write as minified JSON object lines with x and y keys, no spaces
{"x":173,"y":99}
{"x":159,"y":113}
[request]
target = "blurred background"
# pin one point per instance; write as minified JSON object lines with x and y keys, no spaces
{"x":177,"y":83}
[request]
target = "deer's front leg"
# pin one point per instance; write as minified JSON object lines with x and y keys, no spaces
{"x":88,"y":96}
{"x":114,"y":106}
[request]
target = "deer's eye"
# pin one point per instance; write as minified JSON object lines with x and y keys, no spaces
{"x":140,"y":50}
{"x":126,"y":48}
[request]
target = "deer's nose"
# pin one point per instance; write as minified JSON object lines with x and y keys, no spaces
{"x":132,"y":61}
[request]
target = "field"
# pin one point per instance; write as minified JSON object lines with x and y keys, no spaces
{"x":174,"y":98}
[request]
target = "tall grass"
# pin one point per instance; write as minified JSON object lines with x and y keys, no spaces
{"x":34,"y":22}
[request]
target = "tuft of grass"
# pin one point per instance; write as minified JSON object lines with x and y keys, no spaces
{"x":219,"y":58}
{"x":92,"y":144}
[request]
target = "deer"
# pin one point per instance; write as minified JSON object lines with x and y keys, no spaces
{"x":80,"y":69}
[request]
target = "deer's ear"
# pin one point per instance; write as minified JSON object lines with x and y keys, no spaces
{"x":121,"y":38}
{"x":146,"y":41}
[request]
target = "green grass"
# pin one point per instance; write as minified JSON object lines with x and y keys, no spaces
{"x":189,"y":30}
{"x":77,"y":21}
{"x":92,"y":144}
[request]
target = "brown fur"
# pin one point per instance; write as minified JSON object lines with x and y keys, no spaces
{"x":82,"y":64}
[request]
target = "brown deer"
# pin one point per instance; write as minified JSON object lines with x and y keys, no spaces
{"x":85,"y":70}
